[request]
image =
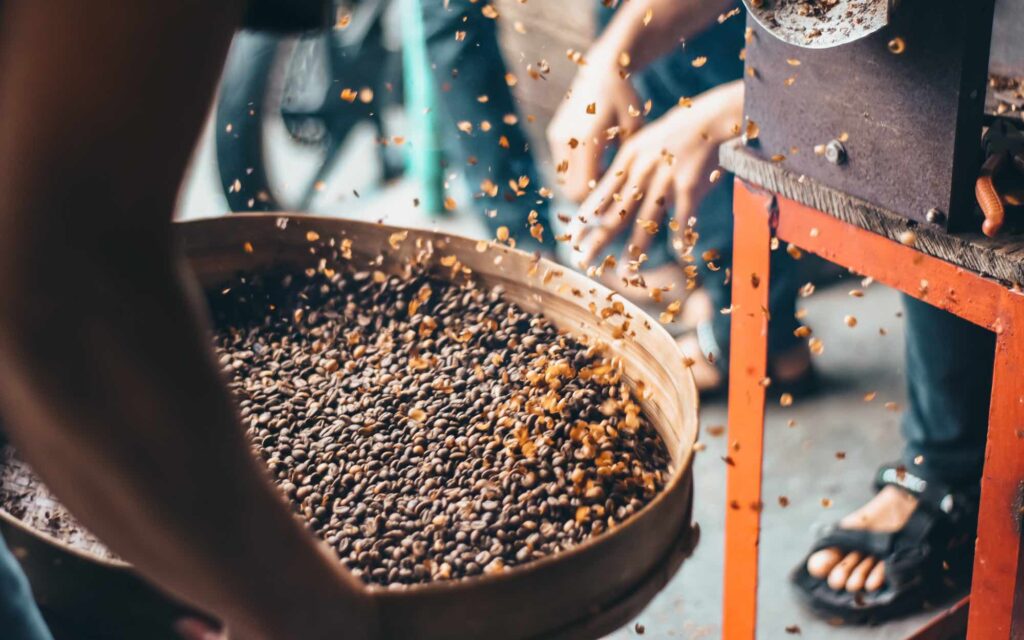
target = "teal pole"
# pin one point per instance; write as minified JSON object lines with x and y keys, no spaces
{"x":423,"y":150}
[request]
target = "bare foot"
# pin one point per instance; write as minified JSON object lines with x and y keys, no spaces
{"x":786,"y":367}
{"x":705,"y":373}
{"x":887,"y":511}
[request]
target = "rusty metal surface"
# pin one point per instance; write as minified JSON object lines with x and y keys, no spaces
{"x":996,"y":605}
{"x":910,"y":122}
{"x":815,"y":24}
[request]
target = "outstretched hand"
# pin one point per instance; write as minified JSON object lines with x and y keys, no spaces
{"x":601,"y":107}
{"x":670,"y":163}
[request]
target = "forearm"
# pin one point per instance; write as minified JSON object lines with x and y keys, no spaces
{"x":106,"y":382}
{"x":112,"y":397}
{"x":648,"y":29}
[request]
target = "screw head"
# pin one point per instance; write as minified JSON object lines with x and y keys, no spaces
{"x":835,"y":152}
{"x":935,"y":216}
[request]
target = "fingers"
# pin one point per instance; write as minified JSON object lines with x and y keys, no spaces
{"x":574,"y":155}
{"x":628,"y":114}
{"x":616,"y":215}
{"x":651,"y":211}
{"x":581,"y":166}
{"x":613,"y":203}
{"x":603,"y":195}
{"x":593,"y":210}
{"x":577,"y":139}
{"x":690,"y":190}
{"x":583,"y":128}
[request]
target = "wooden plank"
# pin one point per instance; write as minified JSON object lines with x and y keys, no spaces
{"x":1001,"y":258}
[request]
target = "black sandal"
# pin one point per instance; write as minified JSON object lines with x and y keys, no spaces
{"x":925,"y":561}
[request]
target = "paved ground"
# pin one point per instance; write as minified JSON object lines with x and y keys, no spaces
{"x":801,"y":465}
{"x":801,"y":460}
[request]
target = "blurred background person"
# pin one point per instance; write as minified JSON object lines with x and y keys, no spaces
{"x":482,"y":123}
{"x":674,"y":64}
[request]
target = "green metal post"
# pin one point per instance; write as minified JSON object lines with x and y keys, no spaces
{"x":424,"y":148}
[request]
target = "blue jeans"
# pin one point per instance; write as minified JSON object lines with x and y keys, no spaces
{"x":949,"y":384}
{"x":465,"y":69}
{"x":19,"y":616}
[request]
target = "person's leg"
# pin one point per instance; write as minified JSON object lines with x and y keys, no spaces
{"x":469,"y":70}
{"x":949,"y":384}
{"x":19,"y":615}
{"x":715,"y":229}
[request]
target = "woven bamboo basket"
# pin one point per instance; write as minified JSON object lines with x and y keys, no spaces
{"x":581,"y":593}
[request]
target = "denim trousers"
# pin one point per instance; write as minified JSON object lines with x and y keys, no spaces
{"x":465,"y":68}
{"x":19,"y":616}
{"x":949,"y":385}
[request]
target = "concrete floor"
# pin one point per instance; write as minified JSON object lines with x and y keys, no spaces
{"x":801,"y":464}
{"x":801,"y":460}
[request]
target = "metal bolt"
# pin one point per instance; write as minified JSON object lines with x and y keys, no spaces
{"x":835,"y":152}
{"x":935,"y":216}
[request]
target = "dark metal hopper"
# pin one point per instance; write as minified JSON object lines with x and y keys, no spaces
{"x":820,"y":24}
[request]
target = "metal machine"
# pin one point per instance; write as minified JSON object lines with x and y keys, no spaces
{"x":871,"y":143}
{"x":884,"y":100}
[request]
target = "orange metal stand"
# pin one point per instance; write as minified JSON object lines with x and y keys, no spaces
{"x":996,"y":606}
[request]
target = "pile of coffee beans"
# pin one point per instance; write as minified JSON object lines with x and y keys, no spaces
{"x":430,"y":429}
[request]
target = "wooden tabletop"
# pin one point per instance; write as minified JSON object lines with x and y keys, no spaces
{"x":1001,"y":258}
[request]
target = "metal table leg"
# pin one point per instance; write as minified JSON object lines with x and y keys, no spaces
{"x":996,"y":601}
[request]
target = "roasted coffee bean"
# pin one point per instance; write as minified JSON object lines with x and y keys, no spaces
{"x":431,"y":429}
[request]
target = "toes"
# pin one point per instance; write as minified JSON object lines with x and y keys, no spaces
{"x":841,"y":572}
{"x":876,"y":578}
{"x":859,"y":575}
{"x":821,"y":562}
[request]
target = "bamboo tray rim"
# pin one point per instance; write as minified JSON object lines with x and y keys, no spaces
{"x":678,"y":471}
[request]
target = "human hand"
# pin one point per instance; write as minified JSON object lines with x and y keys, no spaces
{"x":669,"y":162}
{"x":601,"y":106}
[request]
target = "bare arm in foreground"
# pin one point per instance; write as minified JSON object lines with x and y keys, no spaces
{"x":107,"y":385}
